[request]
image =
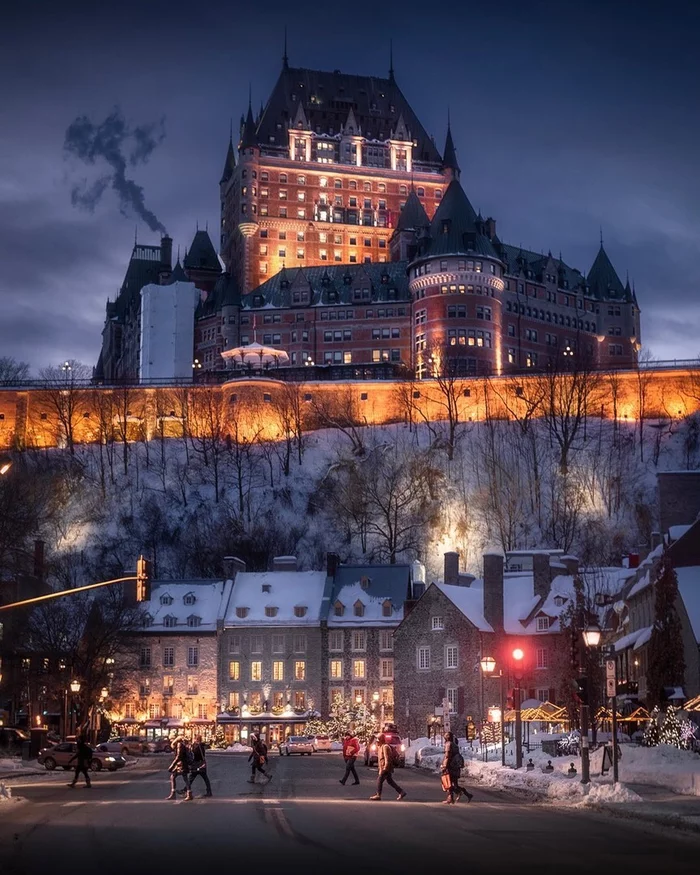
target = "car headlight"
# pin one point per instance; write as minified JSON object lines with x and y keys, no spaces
{"x":374,"y":747}
{"x":110,"y":759}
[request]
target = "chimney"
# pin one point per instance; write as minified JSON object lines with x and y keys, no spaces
{"x":490,"y":228}
{"x":540,"y":574}
{"x":39,"y":560}
{"x":571,"y":563}
{"x":493,"y":590}
{"x":232,"y":567}
{"x":633,"y":560}
{"x":452,"y":568}
{"x":466,"y":579}
{"x":332,"y":563}
{"x":166,"y":252}
{"x":656,"y":540}
{"x":284,"y":563}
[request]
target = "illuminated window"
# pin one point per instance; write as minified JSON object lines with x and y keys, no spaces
{"x":256,"y":671}
{"x":278,"y":670}
{"x":234,"y":670}
{"x":336,"y":669}
{"x":300,"y":670}
{"x":358,"y":669}
{"x":299,"y":700}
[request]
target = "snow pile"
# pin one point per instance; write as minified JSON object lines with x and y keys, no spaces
{"x":238,"y":748}
{"x":16,"y":764}
{"x":662,"y":766}
{"x":604,"y":794}
{"x":5,"y":793}
{"x":336,"y":745}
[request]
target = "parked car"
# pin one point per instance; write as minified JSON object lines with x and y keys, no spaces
{"x":159,"y":745}
{"x":394,"y":739}
{"x":127,"y":745}
{"x":61,"y":755}
{"x":322,"y":742}
{"x":300,"y":744}
{"x":11,"y":739}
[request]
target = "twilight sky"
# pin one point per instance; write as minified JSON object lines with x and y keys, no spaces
{"x":566,"y":115}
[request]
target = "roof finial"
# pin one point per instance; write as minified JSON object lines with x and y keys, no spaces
{"x":601,"y":236}
{"x":136,"y":234}
{"x":285,"y":59}
{"x":448,"y":117}
{"x":250,"y":96}
{"x":391,"y":60}
{"x":230,"y":129}
{"x":197,"y":225}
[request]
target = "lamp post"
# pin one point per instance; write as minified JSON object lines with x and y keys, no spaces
{"x":66,"y":368}
{"x":591,"y":639}
{"x":518,"y":657}
{"x":75,"y":689}
{"x":488,"y":666}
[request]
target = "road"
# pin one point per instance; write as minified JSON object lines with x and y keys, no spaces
{"x":304,"y":821}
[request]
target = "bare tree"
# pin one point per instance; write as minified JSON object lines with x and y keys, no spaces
{"x":62,"y":394}
{"x":12,"y":371}
{"x":209,"y":425}
{"x":645,"y":375}
{"x":445,"y":392}
{"x":341,"y":411}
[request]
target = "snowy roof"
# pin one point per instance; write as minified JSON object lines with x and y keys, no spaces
{"x":689,"y":589}
{"x":643,"y":637}
{"x":519,"y":601}
{"x":641,"y":584}
{"x":372,"y":585}
{"x":633,"y":639}
{"x":676,"y":532}
{"x":253,"y":593}
{"x":202,"y":601}
{"x":470,"y":601}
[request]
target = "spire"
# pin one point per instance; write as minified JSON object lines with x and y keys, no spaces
{"x":602,"y":277}
{"x":449,"y":160}
{"x":391,"y":60}
{"x":230,"y":162}
{"x":285,"y":58}
{"x":249,"y":138}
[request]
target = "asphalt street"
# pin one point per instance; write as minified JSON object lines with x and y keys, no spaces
{"x":304,"y":821}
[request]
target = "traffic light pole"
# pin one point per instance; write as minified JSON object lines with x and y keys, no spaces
{"x":585,"y":753}
{"x":518,"y":728}
{"x":503,"y":721}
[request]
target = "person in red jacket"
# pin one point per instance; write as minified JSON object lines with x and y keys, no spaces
{"x":351,"y":748}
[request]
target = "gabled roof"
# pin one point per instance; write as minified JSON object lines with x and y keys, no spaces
{"x":283,"y":590}
{"x":381,"y":583}
{"x":388,"y":283}
{"x":603,"y":280}
{"x":202,"y":255}
{"x":470,"y":603}
{"x":212,"y":597}
{"x":327,"y":97}
{"x":413,"y":215}
{"x":178,"y":275}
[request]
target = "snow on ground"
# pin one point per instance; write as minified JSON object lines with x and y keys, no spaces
{"x":238,"y":748}
{"x":5,"y":793}
{"x":663,"y":766}
{"x":15,"y":764}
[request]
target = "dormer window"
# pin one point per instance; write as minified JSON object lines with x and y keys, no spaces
{"x":445,"y":226}
{"x":147,"y":620}
{"x":190,"y":598}
{"x":271,"y":611}
{"x":364,"y":582}
{"x":542,"y":624}
{"x":559,"y":600}
{"x":266,"y":587}
{"x":242,"y":612}
{"x":193,"y":621}
{"x":166,"y":599}
{"x":169,"y":621}
{"x":339,"y":609}
{"x":300,"y":610}
{"x":387,"y":608}
{"x":359,"y":608}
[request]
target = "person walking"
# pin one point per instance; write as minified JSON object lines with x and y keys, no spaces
{"x":351,"y":748}
{"x":259,"y":758}
{"x":199,"y":764}
{"x":83,"y":757}
{"x":385,"y":765}
{"x":180,"y":766}
{"x":452,"y":765}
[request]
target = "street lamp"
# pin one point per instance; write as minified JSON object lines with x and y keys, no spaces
{"x":591,"y":635}
{"x":488,"y":666}
{"x":518,"y":657}
{"x":196,"y":365}
{"x":66,"y":368}
{"x":75,"y":687}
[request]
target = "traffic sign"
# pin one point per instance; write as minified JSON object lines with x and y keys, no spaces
{"x":610,"y":669}
{"x":611,"y":687}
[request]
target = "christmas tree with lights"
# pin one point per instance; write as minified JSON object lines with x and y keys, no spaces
{"x":219,"y":740}
{"x":651,"y":733}
{"x":670,"y":732}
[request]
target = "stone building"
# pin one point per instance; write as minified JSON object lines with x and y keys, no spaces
{"x":457,"y":621}
{"x":366,"y":606}
{"x":175,"y":660}
{"x":270,"y":666}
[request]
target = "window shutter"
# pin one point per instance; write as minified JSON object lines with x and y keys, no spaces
{"x":460,"y":700}
{"x":552,"y":695}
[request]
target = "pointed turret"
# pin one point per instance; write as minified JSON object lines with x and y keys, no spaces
{"x":413,"y":215}
{"x":300,"y":120}
{"x":229,"y":163}
{"x":603,"y":280}
{"x":351,"y":126}
{"x":449,"y":159}
{"x":249,"y":139}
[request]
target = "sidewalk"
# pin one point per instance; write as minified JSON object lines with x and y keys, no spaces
{"x":661,"y":806}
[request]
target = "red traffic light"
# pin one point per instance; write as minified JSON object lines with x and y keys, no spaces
{"x":518,"y":655}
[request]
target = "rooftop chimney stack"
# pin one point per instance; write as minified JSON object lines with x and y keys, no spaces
{"x":332,"y":563}
{"x":284,"y":563}
{"x":452,"y":568}
{"x":540,"y":574}
{"x":166,"y":252}
{"x":493,"y":590}
{"x":232,"y":567}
